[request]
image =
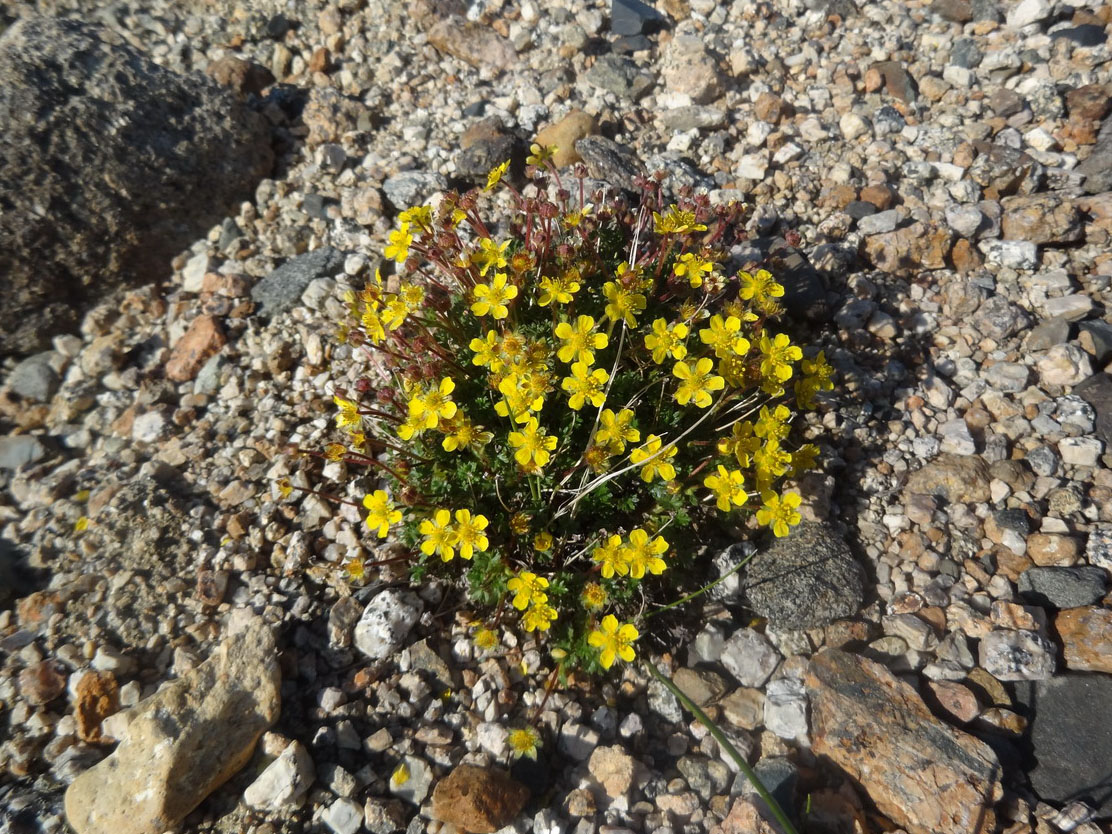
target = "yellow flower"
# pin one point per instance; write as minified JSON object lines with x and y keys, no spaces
{"x":611,"y":556}
{"x":380,"y":512}
{"x":335,"y":451}
{"x":572,"y":219}
{"x":585,"y":384}
{"x":400,"y":775}
{"x":728,"y":488}
{"x":642,"y":555}
{"x":400,"y":240}
{"x":486,"y":351}
{"x":675,"y":221}
{"x":561,"y":290}
{"x":773,"y":425}
{"x":539,"y":617}
{"x":657,"y":463}
{"x":693,"y":267}
{"x":394,"y":312}
{"x":419,"y":216}
{"x":779,"y":513}
{"x":524,"y":742}
{"x":666,"y":341}
{"x":741,"y":443}
{"x":543,"y":542}
{"x":81,"y":525}
{"x":469,"y":533}
{"x":759,"y":288}
{"x":593,"y":597}
{"x":770,"y":462}
{"x":463,"y":435}
{"x":579,"y":342}
{"x":622,"y":304}
{"x":491,"y":298}
{"x":804,"y":459}
{"x":697,"y":383}
{"x":284,"y":487}
{"x":519,"y":523}
{"x":534,"y":447}
{"x":356,"y":569}
{"x":723,"y":336}
{"x":539,"y":154}
{"x":495,"y":175}
{"x":490,"y":254}
{"x":777,"y":354}
{"x":528,"y":589}
{"x":440,"y":536}
{"x":820,"y":370}
{"x":349,"y":413}
{"x":413,"y":424}
{"x":613,"y":641}
{"x":486,"y":639}
{"x":615,"y":430}
{"x":434,"y":405}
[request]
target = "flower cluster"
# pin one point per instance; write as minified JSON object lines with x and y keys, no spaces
{"x":546,"y":396}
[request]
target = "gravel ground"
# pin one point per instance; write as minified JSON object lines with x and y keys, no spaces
{"x":943,"y":173}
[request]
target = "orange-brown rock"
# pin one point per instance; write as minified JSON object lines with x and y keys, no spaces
{"x":565,"y":133}
{"x":909,"y":249}
{"x":925,"y":775}
{"x":479,"y":800}
{"x":1086,"y":638}
{"x":98,"y":696}
{"x":201,"y":341}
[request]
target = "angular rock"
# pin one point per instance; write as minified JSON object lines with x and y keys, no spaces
{"x":1063,"y":587}
{"x":1041,"y":218}
{"x":111,"y":166}
{"x":785,"y":708}
{"x":632,"y":17}
{"x":20,"y":450}
{"x":1014,"y":655}
{"x":1071,"y":743}
{"x":201,"y":342}
{"x":472,"y":42}
{"x":34,"y":378}
{"x":97,"y":696}
{"x":914,"y":247}
{"x":480,"y":800}
{"x":926,"y":776}
{"x":687,"y":68}
{"x":1097,"y":392}
{"x":608,"y":161}
{"x":344,"y":816}
{"x":614,"y":769}
{"x":749,"y":657}
{"x":184,"y":741}
{"x":1086,"y":638}
{"x":957,"y":478}
{"x":41,"y":683}
{"x":576,"y":125}
{"x":700,"y":685}
{"x":805,"y":580}
{"x":282,"y":289}
{"x":621,"y":76}
{"x":284,"y":781}
{"x":386,"y":622}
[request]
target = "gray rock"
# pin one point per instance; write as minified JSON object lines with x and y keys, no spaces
{"x":692,"y":116}
{"x":410,"y":188}
{"x":749,"y":657}
{"x":1097,"y":392}
{"x":1017,"y":655}
{"x":282,"y":289}
{"x":285,"y":780}
{"x":344,"y":816}
{"x":577,"y":741}
{"x":679,"y":173}
{"x":34,"y":379}
{"x":1048,"y":334}
{"x":965,"y":53}
{"x":184,"y":741}
{"x":998,"y":318}
{"x":785,"y":708}
{"x":111,"y":166}
{"x":608,"y":161}
{"x":1098,"y":547}
{"x":1096,"y":337}
{"x":1056,"y":587}
{"x":20,"y":450}
{"x":632,"y":17}
{"x":414,"y":787}
{"x":879,"y":223}
{"x":1071,"y":743}
{"x":804,"y":580}
{"x":386,"y":622}
{"x":619,"y":75}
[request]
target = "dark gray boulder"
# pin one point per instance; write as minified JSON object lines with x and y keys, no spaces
{"x":109,"y":166}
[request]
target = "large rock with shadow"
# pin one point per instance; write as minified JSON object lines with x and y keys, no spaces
{"x":109,"y":166}
{"x":1070,"y":738}
{"x":805,"y":580}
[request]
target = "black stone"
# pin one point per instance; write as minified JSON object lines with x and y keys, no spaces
{"x":1070,"y":738}
{"x":1087,"y":34}
{"x":477,"y":160}
{"x":860,"y":208}
{"x":1097,"y":168}
{"x":1097,"y":392}
{"x":316,"y":205}
{"x":804,"y":287}
{"x":277,"y":26}
{"x":632,"y":17}
{"x":628,"y":44}
{"x":475,"y":109}
{"x":1101,"y":334}
{"x":282,"y":289}
{"x":987,"y":10}
{"x":804,"y":580}
{"x":608,"y":161}
{"x":1063,"y":587}
{"x":966,"y":53}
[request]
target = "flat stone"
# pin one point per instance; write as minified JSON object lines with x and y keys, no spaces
{"x":480,"y":800}
{"x":1010,"y":655}
{"x":614,"y":769}
{"x":284,"y":782}
{"x":577,"y":741}
{"x":621,"y":76}
{"x":34,"y":378}
{"x":386,"y":622}
{"x":1071,"y":744}
{"x":632,"y":17}
{"x":472,"y":42}
{"x":927,"y":777}
{"x":749,"y":657}
{"x":913,"y":247}
{"x":608,"y":161}
{"x":344,"y":816}
{"x":96,"y":697}
{"x":1063,"y":587}
{"x":1086,"y":637}
{"x":18,"y":450}
{"x":804,"y":580}
{"x":282,"y":289}
{"x":785,"y":708}
{"x":957,"y":701}
{"x":700,"y":685}
{"x":563,"y":134}
{"x":41,"y":683}
{"x":1041,"y":218}
{"x":1097,"y":392}
{"x":201,"y":342}
{"x":184,"y":741}
{"x":957,"y":478}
